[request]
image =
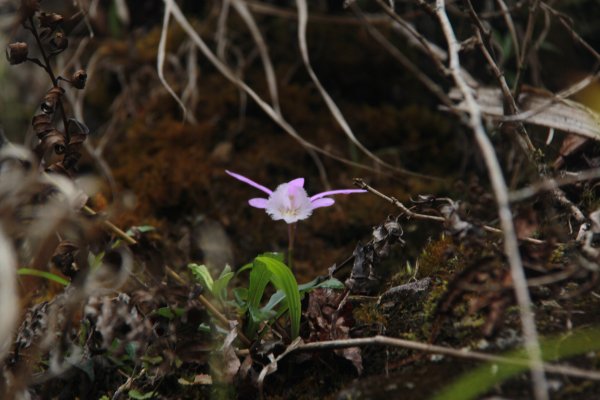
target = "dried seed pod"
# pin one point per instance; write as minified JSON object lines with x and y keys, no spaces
{"x":64,"y":258}
{"x":28,"y":9}
{"x":50,"y":20}
{"x":54,"y":139}
{"x":41,"y":123}
{"x":16,"y":53}
{"x":51,"y":99}
{"x":79,"y":79}
{"x":59,"y":41}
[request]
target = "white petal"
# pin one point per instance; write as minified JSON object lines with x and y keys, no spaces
{"x":290,"y":203}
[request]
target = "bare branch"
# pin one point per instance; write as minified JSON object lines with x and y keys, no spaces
{"x":411,"y":214}
{"x":522,"y":58}
{"x":268,"y":109}
{"x":404,"y":61}
{"x":333,"y":107}
{"x":431,"y":348}
{"x":511,"y":247}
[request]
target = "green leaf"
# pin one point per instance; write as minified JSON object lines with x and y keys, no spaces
{"x":170,"y":312}
{"x":153,"y":360}
{"x":475,"y":383}
{"x":220,"y":285}
{"x":137,"y":395}
{"x":259,"y":278}
{"x":283,"y":279}
{"x":261,"y":314}
{"x":141,"y":229}
{"x":131,"y":349}
{"x":202,"y":275}
{"x":95,"y":260}
{"x":332,"y":284}
{"x":165,"y":312}
{"x":43,"y":274}
{"x":241,"y":297}
{"x":275,"y":299}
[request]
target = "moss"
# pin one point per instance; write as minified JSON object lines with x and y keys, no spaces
{"x":169,"y":170}
{"x":369,"y":314}
{"x":434,"y":258}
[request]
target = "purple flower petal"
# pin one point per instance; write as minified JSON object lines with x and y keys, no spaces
{"x":250,"y":182}
{"x":331,"y":192}
{"x":298,"y":182}
{"x":323,"y":202}
{"x":258,"y":202}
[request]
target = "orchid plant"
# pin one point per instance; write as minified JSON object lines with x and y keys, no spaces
{"x":290,"y":202}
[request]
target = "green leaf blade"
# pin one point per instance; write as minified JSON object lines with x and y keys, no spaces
{"x":43,"y":274}
{"x":283,"y":279}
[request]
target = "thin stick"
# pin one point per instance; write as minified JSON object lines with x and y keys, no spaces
{"x":334,"y":109}
{"x":552,"y":183}
{"x":567,"y":23}
{"x":112,"y":227}
{"x":431,"y":348}
{"x":268,"y":9}
{"x":522,"y":60}
{"x":556,"y":98}
{"x":360,"y":183}
{"x":160,"y":61}
{"x":267,"y":108}
{"x":509,"y":101}
{"x":510,"y":24}
{"x":511,"y":246}
{"x":436,"y":54}
{"x":404,"y":60}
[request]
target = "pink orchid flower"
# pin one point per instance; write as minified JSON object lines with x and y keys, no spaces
{"x":289,"y":201}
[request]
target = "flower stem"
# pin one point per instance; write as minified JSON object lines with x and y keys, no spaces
{"x":291,"y":234}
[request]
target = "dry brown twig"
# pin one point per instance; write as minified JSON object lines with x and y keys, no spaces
{"x":525,"y":43}
{"x":511,"y":107}
{"x":568,"y":24}
{"x":431,"y":348}
{"x":177,"y":14}
{"x":331,"y":105}
{"x":511,"y":247}
{"x":510,"y":25}
{"x":299,"y":345}
{"x":510,"y":104}
{"x":427,"y":217}
{"x":553,"y":183}
{"x":242,"y":9}
{"x":436,"y":54}
{"x":405,"y":61}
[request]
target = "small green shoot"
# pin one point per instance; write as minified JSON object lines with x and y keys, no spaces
{"x":137,"y":395}
{"x":43,"y":274}
{"x":268,"y":268}
{"x":218,"y":288}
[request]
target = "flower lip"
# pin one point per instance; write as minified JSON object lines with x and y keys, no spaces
{"x":290,"y":201}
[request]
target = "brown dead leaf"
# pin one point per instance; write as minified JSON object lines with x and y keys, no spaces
{"x":330,"y":318}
